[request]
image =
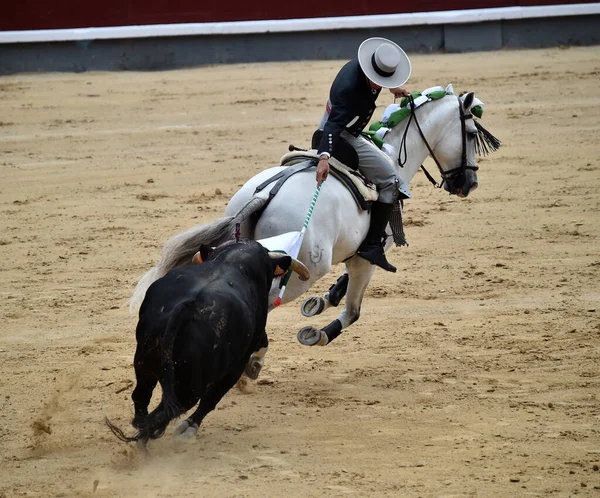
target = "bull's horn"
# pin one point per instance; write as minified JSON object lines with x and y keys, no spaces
{"x":296,"y":266}
{"x":300,"y":269}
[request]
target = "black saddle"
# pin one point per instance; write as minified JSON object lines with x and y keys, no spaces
{"x":343,"y":151}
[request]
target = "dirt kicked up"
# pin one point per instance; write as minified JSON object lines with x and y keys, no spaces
{"x":473,"y":371}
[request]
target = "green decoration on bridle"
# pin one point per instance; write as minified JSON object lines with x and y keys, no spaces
{"x":379,"y":129}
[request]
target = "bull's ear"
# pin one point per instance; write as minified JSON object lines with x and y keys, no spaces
{"x":281,"y":265}
{"x":205,"y":251}
{"x":202,"y":254}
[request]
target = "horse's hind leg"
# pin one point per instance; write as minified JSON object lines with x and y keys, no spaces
{"x":315,"y":305}
{"x":360,"y":272}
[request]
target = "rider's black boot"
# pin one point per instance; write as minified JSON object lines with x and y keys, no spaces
{"x":372,"y":247}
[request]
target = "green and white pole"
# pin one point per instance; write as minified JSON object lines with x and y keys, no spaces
{"x":295,"y":250}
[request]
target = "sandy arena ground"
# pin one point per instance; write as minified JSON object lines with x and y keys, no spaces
{"x":473,"y":371}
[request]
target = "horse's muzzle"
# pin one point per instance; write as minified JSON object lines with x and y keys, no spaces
{"x":461,"y":183}
{"x":465,"y":191}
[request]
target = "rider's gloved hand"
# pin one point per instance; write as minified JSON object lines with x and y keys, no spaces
{"x":400,"y":92}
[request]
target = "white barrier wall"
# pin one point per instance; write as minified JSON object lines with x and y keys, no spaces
{"x":164,"y":46}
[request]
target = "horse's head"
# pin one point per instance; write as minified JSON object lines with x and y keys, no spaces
{"x":455,"y":152}
{"x":446,"y":126}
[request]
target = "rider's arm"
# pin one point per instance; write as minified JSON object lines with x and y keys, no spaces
{"x":339,"y":117}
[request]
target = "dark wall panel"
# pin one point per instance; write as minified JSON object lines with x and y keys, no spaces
{"x":53,"y":14}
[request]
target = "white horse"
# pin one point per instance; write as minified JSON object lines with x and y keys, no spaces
{"x":444,"y":129}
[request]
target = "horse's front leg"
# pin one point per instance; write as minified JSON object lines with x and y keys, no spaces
{"x":315,"y":305}
{"x":359,"y":272}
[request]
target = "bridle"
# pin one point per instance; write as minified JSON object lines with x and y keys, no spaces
{"x":446,"y":175}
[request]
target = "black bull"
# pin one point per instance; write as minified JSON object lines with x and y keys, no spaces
{"x":198,"y":326}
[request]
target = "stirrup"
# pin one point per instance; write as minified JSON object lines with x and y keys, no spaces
{"x":375,"y":255}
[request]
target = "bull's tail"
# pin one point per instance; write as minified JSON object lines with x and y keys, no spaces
{"x":155,"y":423}
{"x":179,"y":249}
{"x":153,"y":426}
{"x":181,"y":316}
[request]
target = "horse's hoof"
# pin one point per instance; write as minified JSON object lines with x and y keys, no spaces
{"x":253,"y":367}
{"x":312,"y":306}
{"x":310,"y":336}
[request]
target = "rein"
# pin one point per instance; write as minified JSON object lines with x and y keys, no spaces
{"x":445,"y":174}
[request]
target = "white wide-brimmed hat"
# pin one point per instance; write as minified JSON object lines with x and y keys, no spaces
{"x":384,"y":62}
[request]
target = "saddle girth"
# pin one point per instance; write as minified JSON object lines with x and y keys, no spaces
{"x":283,"y":176}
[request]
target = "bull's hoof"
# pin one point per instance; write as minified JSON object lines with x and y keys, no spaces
{"x":185,"y":430}
{"x":137,"y":420}
{"x":242,"y":384}
{"x":189,"y":434}
{"x":142,"y":446}
{"x":312,"y":306}
{"x":253,"y":367}
{"x":310,"y":336}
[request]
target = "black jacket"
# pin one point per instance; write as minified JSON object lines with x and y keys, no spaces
{"x":352,"y":103}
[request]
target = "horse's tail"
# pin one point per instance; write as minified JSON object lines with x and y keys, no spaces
{"x":179,"y":249}
{"x":155,"y":423}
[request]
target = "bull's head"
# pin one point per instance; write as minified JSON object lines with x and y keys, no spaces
{"x":281,"y":262}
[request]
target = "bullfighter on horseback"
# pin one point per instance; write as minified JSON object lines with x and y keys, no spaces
{"x":380,"y":64}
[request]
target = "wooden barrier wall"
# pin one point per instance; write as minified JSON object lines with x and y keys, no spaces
{"x":55,"y":14}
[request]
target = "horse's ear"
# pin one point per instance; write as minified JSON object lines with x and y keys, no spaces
{"x":468,"y":100}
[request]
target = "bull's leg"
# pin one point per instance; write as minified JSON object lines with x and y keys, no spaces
{"x":189,"y":428}
{"x":257,"y":359}
{"x":255,"y":363}
{"x":296,"y":288}
{"x":360,"y":272}
{"x":315,"y":305}
{"x":146,"y":382}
